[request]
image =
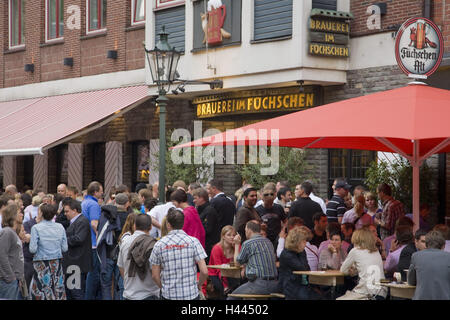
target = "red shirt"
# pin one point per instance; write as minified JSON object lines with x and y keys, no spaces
{"x":217,"y":257}
{"x":193,"y":225}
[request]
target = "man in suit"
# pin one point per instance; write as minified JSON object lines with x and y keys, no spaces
{"x":224,"y":206}
{"x":77,"y":261}
{"x":304,"y":207}
{"x":430,"y":270}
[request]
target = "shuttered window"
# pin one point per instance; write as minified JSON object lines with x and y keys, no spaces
{"x":273,"y":19}
{"x":173,"y":19}
{"x":325,"y":4}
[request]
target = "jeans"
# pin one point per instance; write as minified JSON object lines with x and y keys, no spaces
{"x":93,"y":289}
{"x":77,"y":294}
{"x":257,"y":286}
{"x":106,"y":280}
{"x":9,"y":291}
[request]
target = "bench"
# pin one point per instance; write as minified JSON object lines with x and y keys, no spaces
{"x":250,"y":296}
{"x":278,"y":295}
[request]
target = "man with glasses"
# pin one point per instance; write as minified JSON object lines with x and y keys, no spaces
{"x":272,"y":214}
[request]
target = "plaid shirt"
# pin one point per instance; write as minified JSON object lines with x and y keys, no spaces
{"x":392,"y":211}
{"x":259,"y":255}
{"x":177,"y":254}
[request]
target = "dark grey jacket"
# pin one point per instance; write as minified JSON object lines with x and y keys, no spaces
{"x":430,"y":273}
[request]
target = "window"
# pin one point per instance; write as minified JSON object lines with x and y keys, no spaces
{"x":16,"y":22}
{"x":141,"y":162}
{"x":272,"y":19}
{"x":174,"y":21}
{"x":349,"y":164}
{"x":138,"y":11}
{"x":325,"y":4}
{"x":55,"y":19}
{"x":96,"y":15}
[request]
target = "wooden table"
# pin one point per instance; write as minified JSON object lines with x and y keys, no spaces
{"x":227,"y":271}
{"x":324,"y":278}
{"x":400,"y":290}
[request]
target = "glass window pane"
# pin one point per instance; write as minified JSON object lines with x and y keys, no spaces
{"x":52,"y":19}
{"x":14,"y":23}
{"x":139,"y":10}
{"x":22,"y":22}
{"x":103,"y":22}
{"x":93,"y":15}
{"x":142,"y":164}
{"x":61,"y":18}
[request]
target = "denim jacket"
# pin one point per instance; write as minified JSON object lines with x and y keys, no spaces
{"x":48,"y":241}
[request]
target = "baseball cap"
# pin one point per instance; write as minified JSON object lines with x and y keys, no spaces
{"x":121,"y":199}
{"x":343,"y":184}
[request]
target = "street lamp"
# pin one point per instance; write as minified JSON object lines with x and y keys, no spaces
{"x":163,"y":61}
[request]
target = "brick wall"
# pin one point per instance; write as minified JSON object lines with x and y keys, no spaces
{"x":441,"y":16}
{"x":398,"y":11}
{"x":88,"y":51}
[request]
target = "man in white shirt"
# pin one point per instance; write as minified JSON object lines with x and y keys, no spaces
{"x":158,"y":213}
{"x":135,"y":287}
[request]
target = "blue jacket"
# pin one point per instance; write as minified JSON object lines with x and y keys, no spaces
{"x":48,"y":241}
{"x":108,"y":225}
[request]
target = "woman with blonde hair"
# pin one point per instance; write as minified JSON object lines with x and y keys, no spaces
{"x":293,"y":258}
{"x":372,"y":205}
{"x":366,"y":260}
{"x":222,"y":253}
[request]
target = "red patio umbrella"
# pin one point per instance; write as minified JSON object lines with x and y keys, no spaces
{"x":413,"y":121}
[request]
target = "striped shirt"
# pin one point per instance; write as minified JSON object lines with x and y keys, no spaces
{"x":177,"y":254}
{"x":335,"y":208}
{"x":259,"y":256}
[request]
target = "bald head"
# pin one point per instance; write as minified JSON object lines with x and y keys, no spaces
{"x":62,"y":189}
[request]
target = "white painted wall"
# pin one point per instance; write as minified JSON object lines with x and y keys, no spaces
{"x":275,"y":63}
{"x":73,"y":85}
{"x":372,"y":51}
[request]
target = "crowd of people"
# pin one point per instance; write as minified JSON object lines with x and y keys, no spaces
{"x":86,"y":245}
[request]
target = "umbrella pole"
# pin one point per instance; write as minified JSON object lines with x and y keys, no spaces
{"x":415,"y":163}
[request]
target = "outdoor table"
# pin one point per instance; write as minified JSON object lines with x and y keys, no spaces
{"x":400,"y":290}
{"x":325,"y":278}
{"x":227,"y":271}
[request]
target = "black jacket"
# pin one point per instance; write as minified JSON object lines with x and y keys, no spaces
{"x":225,"y":209}
{"x":209,"y":218}
{"x":79,"y":243}
{"x":405,"y":259}
{"x":305,"y":208}
{"x":290,"y":284}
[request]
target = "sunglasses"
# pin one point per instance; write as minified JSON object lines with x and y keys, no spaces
{"x":268,"y":194}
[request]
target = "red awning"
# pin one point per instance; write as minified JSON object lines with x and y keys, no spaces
{"x":33,"y":125}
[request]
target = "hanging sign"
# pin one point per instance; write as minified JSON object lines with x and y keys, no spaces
{"x":419,"y":47}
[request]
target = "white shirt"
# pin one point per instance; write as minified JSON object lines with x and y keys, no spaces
{"x":30,"y":210}
{"x":370,"y":270}
{"x":134,"y":287}
{"x":319,"y":201}
{"x":159,"y":212}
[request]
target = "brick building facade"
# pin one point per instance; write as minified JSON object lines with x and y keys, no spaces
{"x":140,"y":125}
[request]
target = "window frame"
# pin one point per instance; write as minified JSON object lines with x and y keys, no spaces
{"x":59,"y":36}
{"x":10,"y":29}
{"x":348,"y":155}
{"x":135,"y":22}
{"x":99,"y":18}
